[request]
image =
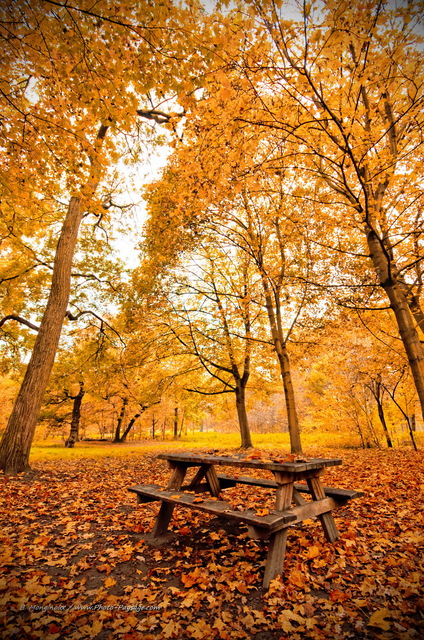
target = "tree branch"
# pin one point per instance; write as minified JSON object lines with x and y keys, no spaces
{"x":27,"y":323}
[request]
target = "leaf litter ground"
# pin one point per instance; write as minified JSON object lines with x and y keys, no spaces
{"x":78,"y":560}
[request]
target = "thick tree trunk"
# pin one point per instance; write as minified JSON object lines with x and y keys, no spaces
{"x":18,"y":436}
{"x":76,"y":416}
{"x":117,"y":437}
{"x":17,"y":439}
{"x":246,"y":439}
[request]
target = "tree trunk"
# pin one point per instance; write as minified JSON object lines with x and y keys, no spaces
{"x":76,"y":415}
{"x":399,"y":304}
{"x":176,"y":423}
{"x":384,"y":423}
{"x":411,"y":432}
{"x":284,"y":362}
{"x":129,"y":427}
{"x":117,"y":437}
{"x":294,"y":430}
{"x":246,"y":439}
{"x":153,"y":427}
{"x":17,"y":439}
{"x":377,"y":391}
{"x":181,"y":426}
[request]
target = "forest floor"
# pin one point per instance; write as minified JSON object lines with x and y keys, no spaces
{"x":78,"y":560}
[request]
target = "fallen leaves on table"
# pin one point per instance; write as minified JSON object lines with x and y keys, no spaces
{"x":78,"y":560}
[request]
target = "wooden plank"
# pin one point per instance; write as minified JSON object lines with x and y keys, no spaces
{"x":284,"y":492}
{"x":326,"y":519}
{"x":143,"y":491}
{"x":213,"y":484}
{"x":312,"y":509}
{"x":278,"y":539}
{"x":191,"y":459}
{"x":297,"y":498}
{"x":177,"y":477}
{"x":231,"y":481}
{"x":255,"y":533}
{"x":212,"y":478}
{"x":166,"y":509}
{"x":347,"y":494}
{"x":270,"y":522}
{"x":275,"y":557}
{"x":201,"y":472}
{"x":202,"y":487}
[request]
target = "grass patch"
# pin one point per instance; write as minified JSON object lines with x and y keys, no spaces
{"x":313,"y":442}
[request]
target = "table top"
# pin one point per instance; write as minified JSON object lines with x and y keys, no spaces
{"x":252,"y":461}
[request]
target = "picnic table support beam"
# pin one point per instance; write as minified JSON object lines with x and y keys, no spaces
{"x":278,"y":540}
{"x":166,"y":509}
{"x":207,"y":471}
{"x":327,"y":521}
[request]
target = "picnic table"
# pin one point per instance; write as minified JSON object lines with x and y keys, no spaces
{"x":287,"y":481}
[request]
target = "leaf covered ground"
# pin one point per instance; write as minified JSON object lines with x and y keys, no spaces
{"x":78,"y":561}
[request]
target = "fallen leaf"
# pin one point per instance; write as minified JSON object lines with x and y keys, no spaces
{"x":378,"y":619}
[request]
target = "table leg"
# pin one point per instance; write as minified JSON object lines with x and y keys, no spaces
{"x":166,"y":509}
{"x":208,"y":471}
{"x":213,"y":481}
{"x":278,"y":540}
{"x":327,"y":521}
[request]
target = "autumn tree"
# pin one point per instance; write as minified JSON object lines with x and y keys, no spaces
{"x":73,"y":81}
{"x":342,"y":89}
{"x":213,"y":318}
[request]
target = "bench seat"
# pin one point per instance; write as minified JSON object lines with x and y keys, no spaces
{"x":338,"y":494}
{"x":268,"y":523}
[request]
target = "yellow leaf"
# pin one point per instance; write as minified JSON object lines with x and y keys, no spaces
{"x":293,"y":616}
{"x":377,"y":619}
{"x":313,"y":552}
{"x":171,"y":629}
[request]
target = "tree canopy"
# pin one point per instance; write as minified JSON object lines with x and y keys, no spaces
{"x":283,"y":238}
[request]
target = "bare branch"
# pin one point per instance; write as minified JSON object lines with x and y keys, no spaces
{"x":27,"y":323}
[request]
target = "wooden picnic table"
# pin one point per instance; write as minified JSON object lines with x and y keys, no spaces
{"x":290,"y":507}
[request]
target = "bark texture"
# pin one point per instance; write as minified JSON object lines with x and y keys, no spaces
{"x":246,"y":439}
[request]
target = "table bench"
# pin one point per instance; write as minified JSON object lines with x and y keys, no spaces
{"x":342,"y":495}
{"x":269,"y":523}
{"x":272,"y":525}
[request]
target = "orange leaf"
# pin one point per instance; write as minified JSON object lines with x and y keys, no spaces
{"x":313,"y":552}
{"x":54,"y":628}
{"x":297,"y":578}
{"x":109,"y":582}
{"x":104,"y":567}
{"x":339,"y":596}
{"x":184,"y":531}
